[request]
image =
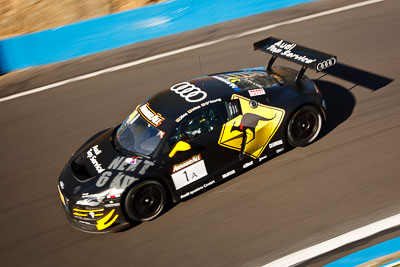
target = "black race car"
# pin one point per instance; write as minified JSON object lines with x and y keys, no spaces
{"x":192,"y":136}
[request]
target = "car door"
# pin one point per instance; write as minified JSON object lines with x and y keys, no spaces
{"x":205,"y":160}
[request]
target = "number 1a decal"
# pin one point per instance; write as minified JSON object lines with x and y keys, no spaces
{"x":193,"y":176}
{"x":189,"y":174}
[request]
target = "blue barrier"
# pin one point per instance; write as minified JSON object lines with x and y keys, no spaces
{"x":121,"y":29}
{"x":370,"y":254}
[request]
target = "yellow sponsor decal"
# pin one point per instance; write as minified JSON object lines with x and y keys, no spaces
{"x":258,"y":123}
{"x":105,"y":222}
{"x":150,"y":115}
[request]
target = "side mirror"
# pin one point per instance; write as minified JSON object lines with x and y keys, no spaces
{"x":180,"y":146}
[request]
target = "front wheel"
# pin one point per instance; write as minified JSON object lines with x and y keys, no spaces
{"x":304,"y":126}
{"x":145,"y":200}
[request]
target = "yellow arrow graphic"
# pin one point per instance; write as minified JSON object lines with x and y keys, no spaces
{"x":103,"y":224}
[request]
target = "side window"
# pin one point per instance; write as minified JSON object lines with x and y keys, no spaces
{"x":205,"y":120}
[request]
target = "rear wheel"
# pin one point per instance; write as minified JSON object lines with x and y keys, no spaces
{"x":304,"y":126}
{"x":145,"y":200}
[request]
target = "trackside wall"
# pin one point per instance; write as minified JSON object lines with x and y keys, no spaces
{"x":125,"y":28}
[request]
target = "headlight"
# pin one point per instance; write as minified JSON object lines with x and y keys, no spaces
{"x":96,"y":199}
{"x":90,"y":201}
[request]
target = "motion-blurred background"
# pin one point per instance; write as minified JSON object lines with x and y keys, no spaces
{"x":26,"y":16}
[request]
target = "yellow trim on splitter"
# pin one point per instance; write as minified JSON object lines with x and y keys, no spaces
{"x":88,"y":210}
{"x":80,"y":214}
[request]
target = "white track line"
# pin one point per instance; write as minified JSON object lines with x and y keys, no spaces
{"x":188,"y":48}
{"x":336,"y":242}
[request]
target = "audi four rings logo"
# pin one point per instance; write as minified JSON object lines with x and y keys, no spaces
{"x":189,"y":92}
{"x":326,"y":64}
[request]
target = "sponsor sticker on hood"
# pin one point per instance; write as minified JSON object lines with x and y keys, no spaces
{"x":92,"y":154}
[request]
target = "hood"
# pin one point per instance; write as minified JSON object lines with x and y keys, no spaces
{"x":97,"y":167}
{"x":94,"y":157}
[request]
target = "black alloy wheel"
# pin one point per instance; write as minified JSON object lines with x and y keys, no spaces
{"x":145,"y":201}
{"x":304,"y":126}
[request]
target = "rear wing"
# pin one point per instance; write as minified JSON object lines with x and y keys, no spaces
{"x":308,"y":58}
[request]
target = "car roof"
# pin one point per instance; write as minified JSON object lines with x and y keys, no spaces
{"x":186,"y":96}
{"x":181,"y":97}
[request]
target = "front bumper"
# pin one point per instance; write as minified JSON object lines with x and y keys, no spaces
{"x":106,"y":217}
{"x":105,"y":224}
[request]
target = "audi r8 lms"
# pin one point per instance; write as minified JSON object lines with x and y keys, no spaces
{"x":191,"y":136}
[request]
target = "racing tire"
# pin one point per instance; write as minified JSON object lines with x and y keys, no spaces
{"x":304,"y":126}
{"x":145,"y":201}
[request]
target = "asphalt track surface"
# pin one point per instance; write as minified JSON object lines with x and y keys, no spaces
{"x":345,"y":180}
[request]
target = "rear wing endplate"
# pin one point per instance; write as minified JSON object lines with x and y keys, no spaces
{"x":308,"y":58}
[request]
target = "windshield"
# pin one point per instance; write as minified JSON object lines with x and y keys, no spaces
{"x":253,"y":80}
{"x":138,"y":136}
